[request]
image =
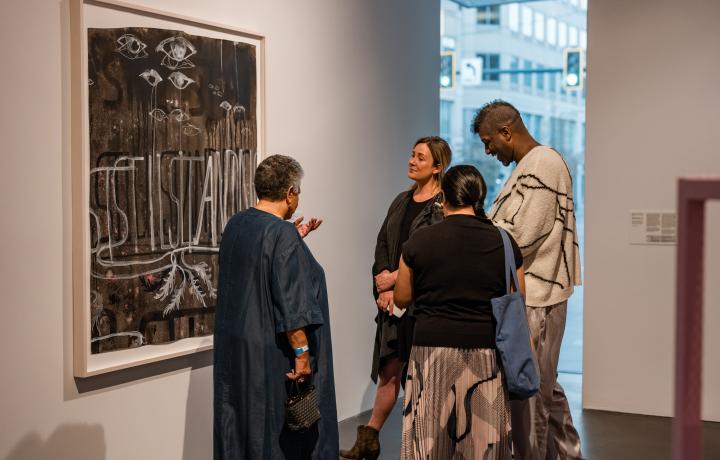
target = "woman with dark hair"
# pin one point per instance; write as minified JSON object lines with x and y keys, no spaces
{"x":271,"y":318}
{"x":456,"y":405}
{"x":410,"y":210}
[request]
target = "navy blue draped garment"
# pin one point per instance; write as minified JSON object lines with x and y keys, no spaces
{"x":269,"y":284}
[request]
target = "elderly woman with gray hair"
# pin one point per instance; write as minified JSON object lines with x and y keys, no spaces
{"x":271,"y":327}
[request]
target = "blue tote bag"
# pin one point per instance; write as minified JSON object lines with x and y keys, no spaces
{"x":512,"y":336}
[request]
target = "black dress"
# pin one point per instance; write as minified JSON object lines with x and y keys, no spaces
{"x":269,"y":284}
{"x":393,"y":336}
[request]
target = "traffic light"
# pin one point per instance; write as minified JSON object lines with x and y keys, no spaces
{"x":447,"y":70}
{"x":573,"y":74}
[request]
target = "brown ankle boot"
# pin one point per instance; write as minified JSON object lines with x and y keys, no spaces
{"x":367,"y":445}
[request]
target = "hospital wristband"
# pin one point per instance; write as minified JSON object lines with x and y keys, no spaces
{"x":301,"y":350}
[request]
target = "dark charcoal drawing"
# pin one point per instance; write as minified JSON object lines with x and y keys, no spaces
{"x":173,"y":147}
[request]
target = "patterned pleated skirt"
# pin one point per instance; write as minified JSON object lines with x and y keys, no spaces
{"x":456,"y":406}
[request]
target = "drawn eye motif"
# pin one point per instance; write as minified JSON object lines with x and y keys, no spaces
{"x":179,"y":115}
{"x":190,"y":130}
{"x":158,"y":115}
{"x":180,"y":80}
{"x":177,"y":50}
{"x":225,"y":105}
{"x":131,"y":47}
{"x":216,"y":90}
{"x":152,"y":77}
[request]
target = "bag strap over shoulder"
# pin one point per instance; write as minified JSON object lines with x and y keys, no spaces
{"x":510,"y":271}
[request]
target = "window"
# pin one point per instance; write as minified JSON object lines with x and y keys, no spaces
{"x":540,"y":78}
{"x":522,"y":63}
{"x":468,"y":115}
{"x":552,"y":81}
{"x":571,"y":137}
{"x":526,"y":118}
{"x":562,"y":34}
{"x":488,"y":15}
{"x":562,"y":135}
{"x":527,"y":21}
{"x":514,"y":65}
{"x":539,"y":129}
{"x":573,"y":39}
{"x":527,"y":77}
{"x":514,"y":17}
{"x":552,"y":31}
{"x":491,"y":63}
{"x":536,"y":127}
{"x":539,"y":26}
{"x":445,"y":119}
{"x":533,"y":123}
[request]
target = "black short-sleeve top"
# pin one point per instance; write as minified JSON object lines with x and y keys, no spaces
{"x":458,"y":266}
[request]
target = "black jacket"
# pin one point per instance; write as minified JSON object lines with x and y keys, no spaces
{"x":387,"y":257}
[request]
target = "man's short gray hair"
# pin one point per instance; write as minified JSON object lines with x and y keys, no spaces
{"x":275,"y":175}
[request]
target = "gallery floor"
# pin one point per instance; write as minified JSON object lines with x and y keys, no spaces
{"x":605,"y":435}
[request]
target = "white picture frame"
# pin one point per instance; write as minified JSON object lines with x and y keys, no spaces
{"x":110,"y":14}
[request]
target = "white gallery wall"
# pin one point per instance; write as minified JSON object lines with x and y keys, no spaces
{"x":653,"y":114}
{"x":350,"y":85}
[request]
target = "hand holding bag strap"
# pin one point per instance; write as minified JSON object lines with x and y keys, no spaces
{"x":510,"y":265}
{"x":294,"y":389}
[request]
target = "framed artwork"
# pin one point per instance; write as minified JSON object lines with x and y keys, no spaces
{"x":167,"y":129}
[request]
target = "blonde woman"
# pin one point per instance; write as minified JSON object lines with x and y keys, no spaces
{"x":410,"y":210}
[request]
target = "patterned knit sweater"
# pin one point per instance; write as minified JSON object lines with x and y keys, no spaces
{"x":536,"y":207}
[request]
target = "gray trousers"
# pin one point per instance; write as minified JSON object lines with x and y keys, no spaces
{"x":542,"y":427}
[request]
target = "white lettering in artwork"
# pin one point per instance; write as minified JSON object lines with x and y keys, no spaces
{"x":187,"y":204}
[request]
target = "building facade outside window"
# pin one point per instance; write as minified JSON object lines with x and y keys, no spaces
{"x":491,"y":64}
{"x":513,"y":14}
{"x":540,"y":78}
{"x":522,"y":63}
{"x":527,"y":21}
{"x":539,"y":26}
{"x":573,"y":36}
{"x":514,"y":65}
{"x":562,"y":34}
{"x":552,"y":31}
{"x":488,"y":15}
{"x":445,"y":118}
{"x":527,"y":76}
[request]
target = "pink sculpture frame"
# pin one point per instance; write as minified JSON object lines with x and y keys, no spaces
{"x":687,"y":424}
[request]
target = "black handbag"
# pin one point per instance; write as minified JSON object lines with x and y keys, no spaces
{"x":302,"y":410}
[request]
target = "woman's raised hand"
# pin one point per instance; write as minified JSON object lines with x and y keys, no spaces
{"x":305,"y":228}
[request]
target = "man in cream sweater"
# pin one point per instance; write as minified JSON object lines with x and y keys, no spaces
{"x":536,"y":207}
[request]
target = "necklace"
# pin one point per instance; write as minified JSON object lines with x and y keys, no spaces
{"x":422,"y":195}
